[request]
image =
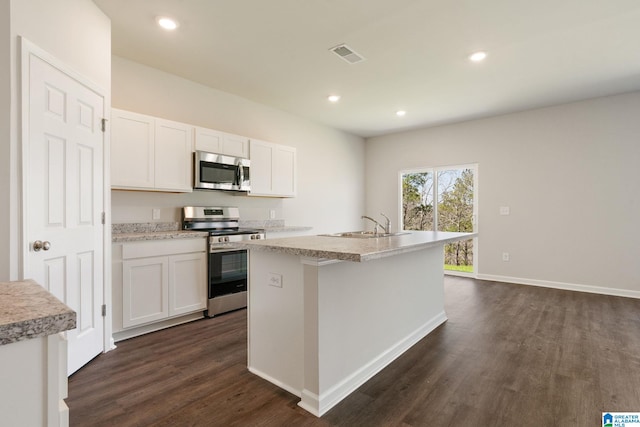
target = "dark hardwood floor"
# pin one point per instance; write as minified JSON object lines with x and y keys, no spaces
{"x":509,"y":355}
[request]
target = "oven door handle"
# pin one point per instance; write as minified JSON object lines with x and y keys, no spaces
{"x":224,"y":249}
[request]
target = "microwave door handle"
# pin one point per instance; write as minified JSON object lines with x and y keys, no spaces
{"x":240,"y":174}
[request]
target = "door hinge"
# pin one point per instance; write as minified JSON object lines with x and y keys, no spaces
{"x":104,"y":310}
{"x":104,"y":125}
{"x":103,"y":217}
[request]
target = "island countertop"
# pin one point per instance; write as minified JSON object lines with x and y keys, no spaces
{"x":27,"y":310}
{"x":355,"y":249}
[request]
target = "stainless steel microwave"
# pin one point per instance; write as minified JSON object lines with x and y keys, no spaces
{"x":213,"y":171}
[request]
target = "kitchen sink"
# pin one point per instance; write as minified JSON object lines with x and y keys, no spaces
{"x":364,"y":234}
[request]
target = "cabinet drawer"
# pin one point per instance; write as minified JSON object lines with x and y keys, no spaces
{"x":155,"y":248}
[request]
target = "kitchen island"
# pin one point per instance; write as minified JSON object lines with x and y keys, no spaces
{"x":327,"y":313}
{"x":33,"y":355}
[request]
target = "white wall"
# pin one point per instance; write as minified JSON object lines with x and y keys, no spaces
{"x":5,"y":138}
{"x":569,"y":174}
{"x":330,"y":162}
{"x":77,"y":33}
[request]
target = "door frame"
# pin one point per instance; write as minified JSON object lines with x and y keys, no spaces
{"x":435,"y":169}
{"x":27,"y":49}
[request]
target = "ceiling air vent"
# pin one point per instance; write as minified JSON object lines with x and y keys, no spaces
{"x":346,"y":53}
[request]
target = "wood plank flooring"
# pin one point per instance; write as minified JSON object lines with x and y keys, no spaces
{"x":509,"y":355}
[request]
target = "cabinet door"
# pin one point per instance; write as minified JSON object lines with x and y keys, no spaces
{"x":215,"y":141}
{"x":261,"y":165}
{"x":235,"y":145}
{"x":132,"y":150}
{"x":173,"y":148}
{"x":145,"y":290}
{"x":273,"y":169}
{"x":208,"y":140}
{"x":284,"y":171}
{"x":187,"y":283}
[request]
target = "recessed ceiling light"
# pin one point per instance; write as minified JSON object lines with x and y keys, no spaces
{"x":478,"y":56}
{"x":167,"y":23}
{"x":400,"y":113}
{"x":333,"y":98}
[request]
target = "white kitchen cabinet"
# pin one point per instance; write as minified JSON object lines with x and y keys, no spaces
{"x":173,"y":161}
{"x":132,"y":150}
{"x":145,"y":285}
{"x":273,"y":169}
{"x":161,"y":279}
{"x":214,"y":141}
{"x":149,"y":153}
{"x":187,"y":274}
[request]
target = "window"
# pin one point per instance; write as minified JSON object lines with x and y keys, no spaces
{"x":442,"y":199}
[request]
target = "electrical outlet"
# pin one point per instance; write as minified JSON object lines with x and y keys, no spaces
{"x":155,"y":214}
{"x":504,"y":210}
{"x":275,"y":279}
{"x":272,"y":214}
{"x":505,"y":256}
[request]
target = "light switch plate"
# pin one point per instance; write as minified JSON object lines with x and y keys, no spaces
{"x":275,"y":279}
{"x":504,"y":210}
{"x":272,"y":214}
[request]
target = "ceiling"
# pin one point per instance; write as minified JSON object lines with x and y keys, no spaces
{"x":276,"y":52}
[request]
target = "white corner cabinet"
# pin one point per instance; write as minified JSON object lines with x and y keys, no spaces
{"x":156,"y":283}
{"x":149,"y":153}
{"x":273,"y":169}
{"x":214,"y":141}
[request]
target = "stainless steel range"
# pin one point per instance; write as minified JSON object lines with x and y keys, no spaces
{"x":227,"y":266}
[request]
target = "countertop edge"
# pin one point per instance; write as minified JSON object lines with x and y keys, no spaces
{"x":286,"y":228}
{"x":157,"y":235}
{"x":50,"y":315}
{"x":353,"y":255}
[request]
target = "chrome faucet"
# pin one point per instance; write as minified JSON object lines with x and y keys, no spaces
{"x":385,"y":228}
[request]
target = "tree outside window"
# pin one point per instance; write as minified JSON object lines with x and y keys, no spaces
{"x":453,"y":209}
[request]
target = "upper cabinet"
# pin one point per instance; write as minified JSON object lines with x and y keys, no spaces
{"x":153,"y":154}
{"x":214,"y":141}
{"x":149,"y":153}
{"x":273,"y":169}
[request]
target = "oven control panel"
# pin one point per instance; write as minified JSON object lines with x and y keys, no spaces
{"x":219,"y":243}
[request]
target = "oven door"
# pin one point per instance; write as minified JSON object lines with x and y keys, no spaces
{"x":227,"y":272}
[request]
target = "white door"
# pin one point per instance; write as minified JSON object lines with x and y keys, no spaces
{"x":63,"y":186}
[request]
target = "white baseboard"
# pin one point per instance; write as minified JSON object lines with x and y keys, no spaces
{"x":310,"y":402}
{"x":125,"y":334}
{"x":319,"y":405}
{"x":561,"y":285}
{"x":274,"y":381}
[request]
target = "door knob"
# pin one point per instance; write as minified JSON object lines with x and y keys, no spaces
{"x":38,"y":244}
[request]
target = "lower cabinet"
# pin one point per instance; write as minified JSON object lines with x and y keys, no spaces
{"x":161,"y":280}
{"x":145,"y":290}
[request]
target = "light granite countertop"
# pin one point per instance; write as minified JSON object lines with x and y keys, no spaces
{"x":140,"y":231}
{"x":286,"y":228}
{"x":157,"y":235}
{"x":28,"y":311}
{"x":355,"y":249}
